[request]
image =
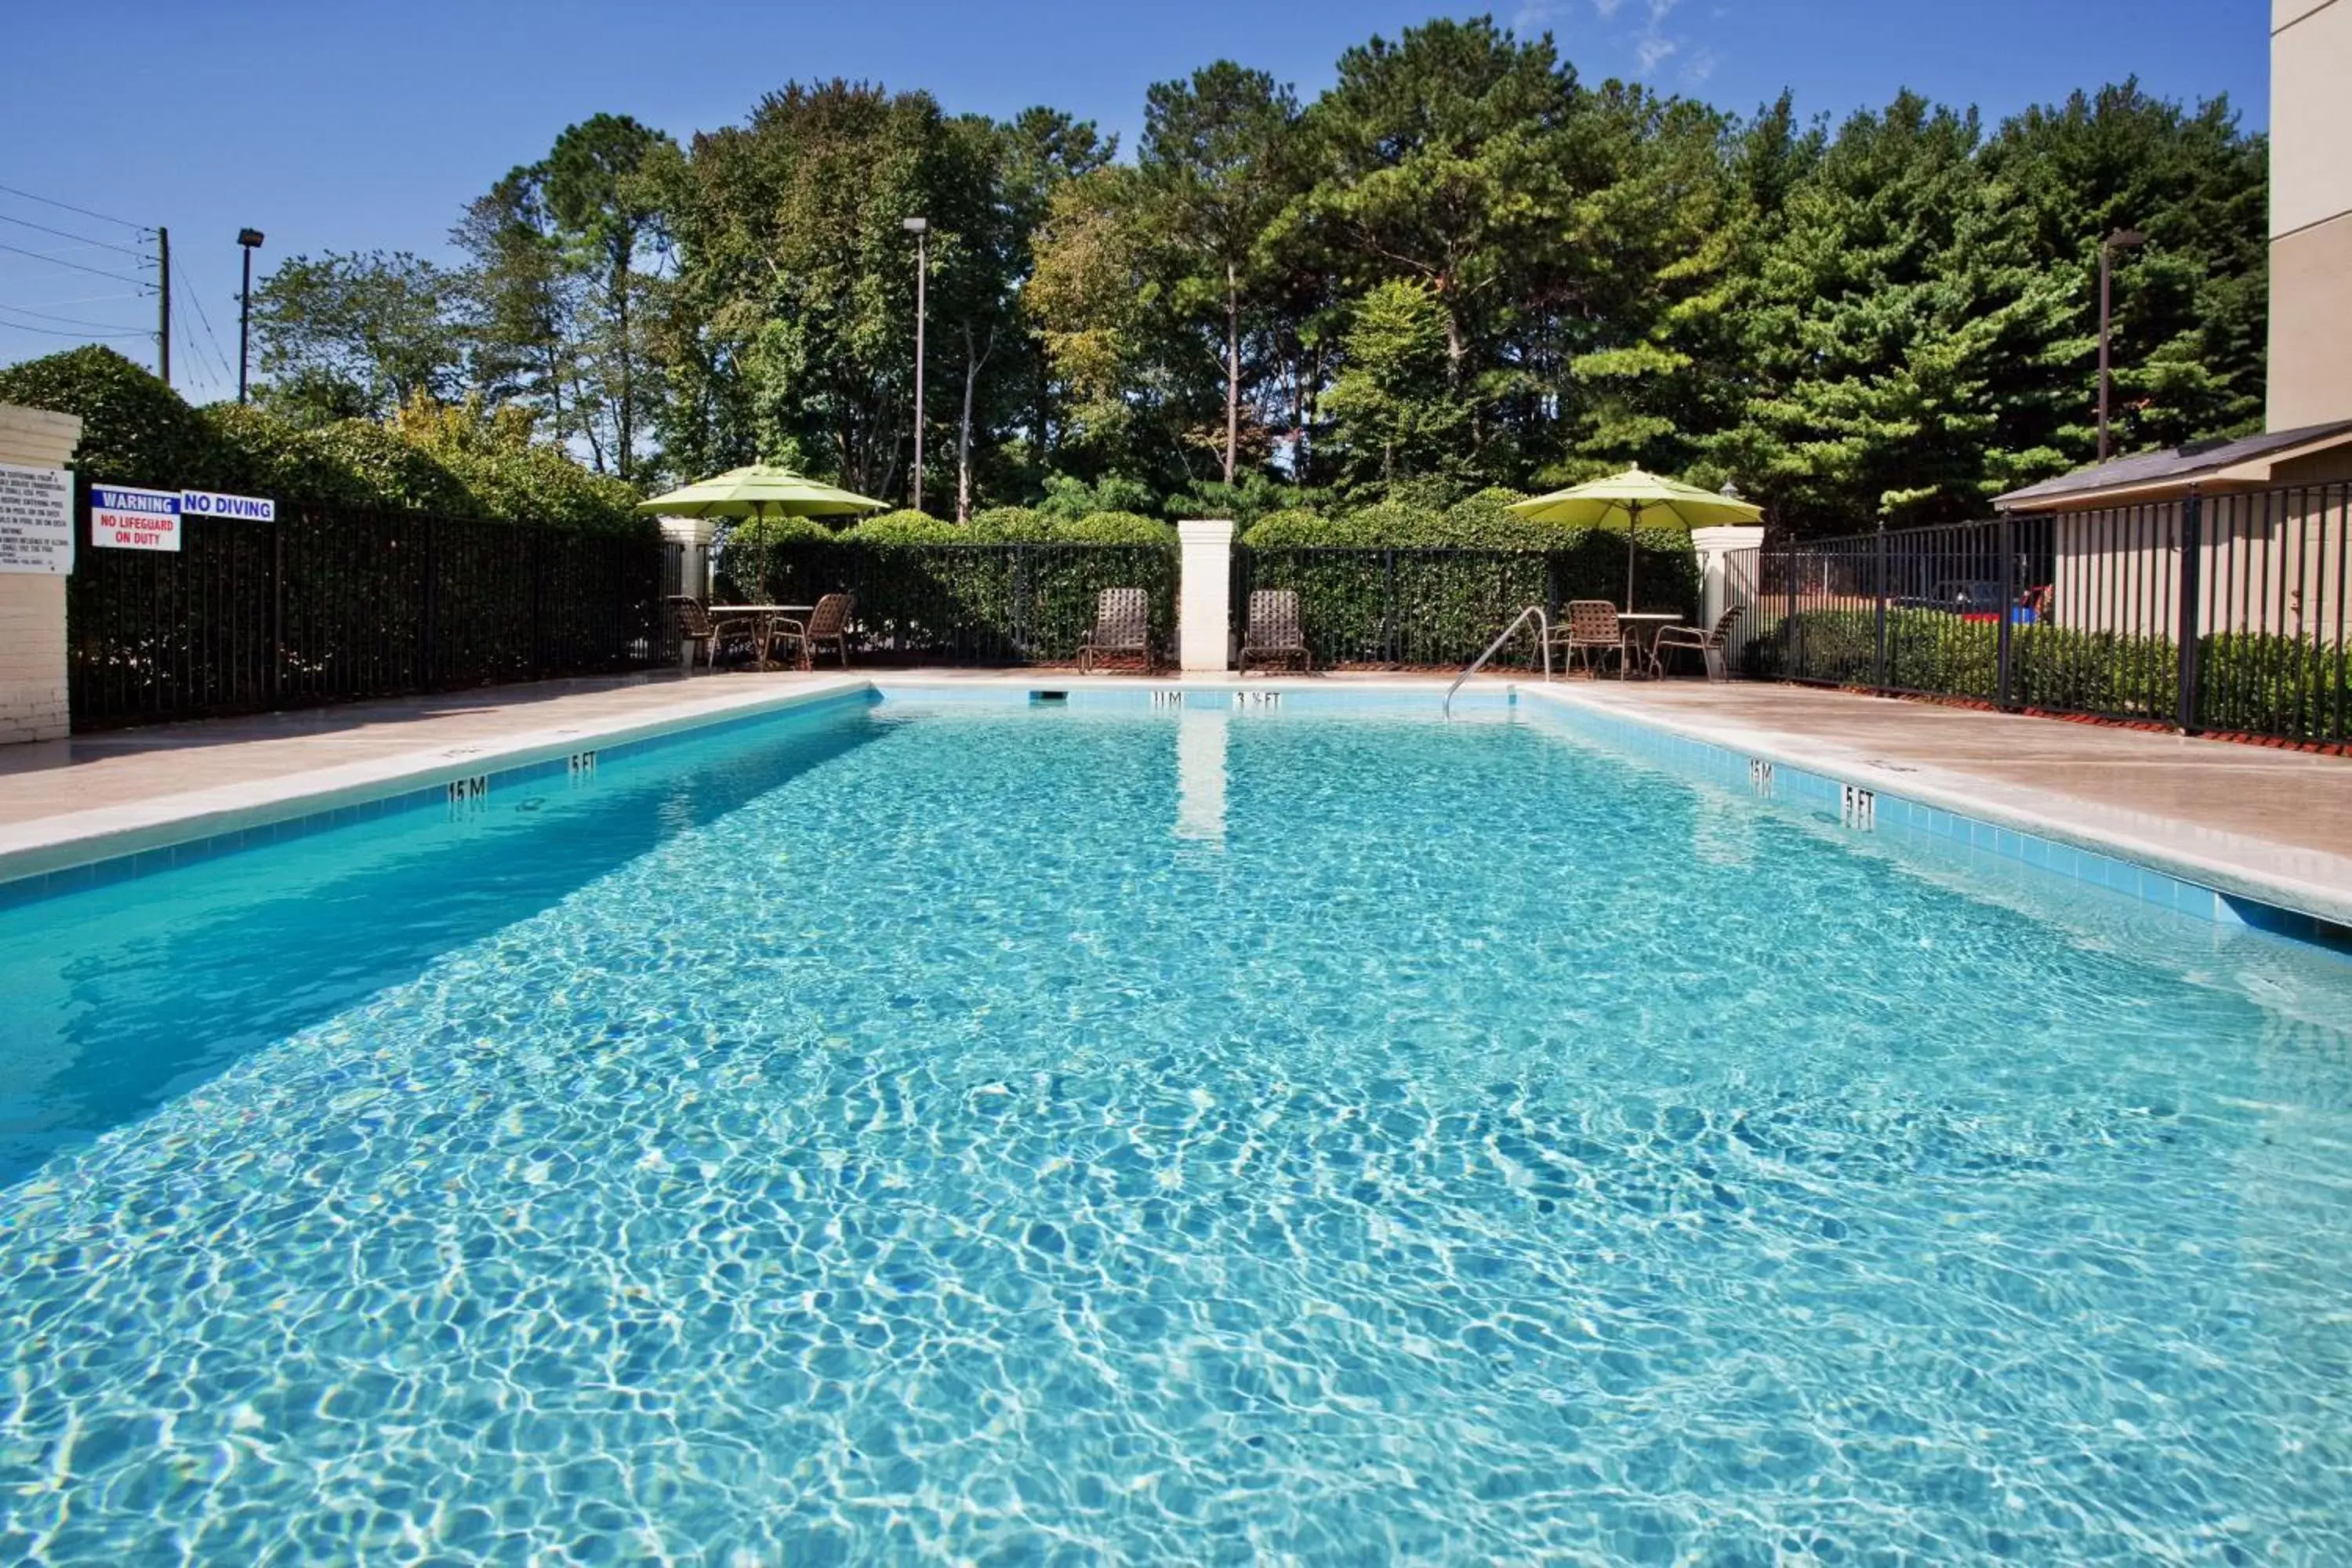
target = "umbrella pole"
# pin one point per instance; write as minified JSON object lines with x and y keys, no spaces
{"x":1633,"y":521}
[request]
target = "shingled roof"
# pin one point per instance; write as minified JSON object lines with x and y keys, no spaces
{"x":2166,"y":471}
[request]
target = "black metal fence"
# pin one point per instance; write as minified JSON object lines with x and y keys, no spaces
{"x":956,"y":603}
{"x":2224,"y":614}
{"x":1441,"y":607}
{"x":333,"y":606}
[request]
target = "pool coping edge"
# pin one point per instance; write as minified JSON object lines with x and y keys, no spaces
{"x":46,"y":845}
{"x":2015,"y":810}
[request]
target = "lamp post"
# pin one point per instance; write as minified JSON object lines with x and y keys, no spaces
{"x":249,"y":240}
{"x":2122,"y":239}
{"x":919,"y":227}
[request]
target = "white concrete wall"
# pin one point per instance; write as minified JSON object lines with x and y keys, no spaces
{"x":2311,"y":213}
{"x":33,"y":704}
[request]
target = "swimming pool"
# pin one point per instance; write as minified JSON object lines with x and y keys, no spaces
{"x":1196,"y":1133}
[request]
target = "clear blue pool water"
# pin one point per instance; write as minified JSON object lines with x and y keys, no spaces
{"x":1007,"y":1136}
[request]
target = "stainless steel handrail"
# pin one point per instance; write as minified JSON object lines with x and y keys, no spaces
{"x":1543,"y":636}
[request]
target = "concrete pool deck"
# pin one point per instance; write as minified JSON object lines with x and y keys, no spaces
{"x":2269,"y":824}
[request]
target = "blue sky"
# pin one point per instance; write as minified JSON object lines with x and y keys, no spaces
{"x":360,"y":125}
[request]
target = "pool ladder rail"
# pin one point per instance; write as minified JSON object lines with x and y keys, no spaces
{"x":1543,"y":637}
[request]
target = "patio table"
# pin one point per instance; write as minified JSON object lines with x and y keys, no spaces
{"x":765,"y":617}
{"x":1641,"y":629}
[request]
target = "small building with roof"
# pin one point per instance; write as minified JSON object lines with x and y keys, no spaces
{"x":2269,"y":518}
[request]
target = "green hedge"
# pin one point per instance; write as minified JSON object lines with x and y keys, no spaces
{"x":1441,"y":606}
{"x":456,"y":462}
{"x":959,"y":601}
{"x":2299,"y":689}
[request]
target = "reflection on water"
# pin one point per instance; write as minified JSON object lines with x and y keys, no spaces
{"x":1201,"y":734}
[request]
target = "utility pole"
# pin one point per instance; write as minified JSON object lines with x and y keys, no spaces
{"x":163,"y":305}
{"x":2122,"y":239}
{"x":249,"y":240}
{"x":918,"y":227}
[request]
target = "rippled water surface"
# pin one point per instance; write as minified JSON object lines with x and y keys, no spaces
{"x":1009,"y":1136}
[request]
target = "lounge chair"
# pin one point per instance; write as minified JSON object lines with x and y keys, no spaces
{"x":827,"y":623}
{"x":1711,"y":642}
{"x":1590,"y":627}
{"x":1122,"y":629}
{"x":1273,"y":631}
{"x":699,"y":632}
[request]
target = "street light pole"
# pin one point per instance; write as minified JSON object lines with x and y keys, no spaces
{"x":919,"y":227}
{"x":2122,"y":239}
{"x":247,"y":241}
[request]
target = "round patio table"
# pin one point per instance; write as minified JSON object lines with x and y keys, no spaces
{"x":1641,"y":629}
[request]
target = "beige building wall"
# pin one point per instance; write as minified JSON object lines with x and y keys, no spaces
{"x":2273,"y":563}
{"x":32,"y":605}
{"x":2311,"y":213}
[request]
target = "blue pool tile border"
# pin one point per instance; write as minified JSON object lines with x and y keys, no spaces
{"x":1075,"y":692}
{"x":106,"y":872}
{"x":1829,"y":796}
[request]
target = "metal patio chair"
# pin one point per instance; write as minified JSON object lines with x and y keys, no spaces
{"x":1710,"y":642}
{"x":827,"y":623}
{"x":699,"y":632}
{"x":1274,"y":630}
{"x":1122,"y":629}
{"x":1591,"y":628}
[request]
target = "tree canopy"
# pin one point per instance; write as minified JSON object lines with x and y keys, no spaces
{"x":1462,"y":265}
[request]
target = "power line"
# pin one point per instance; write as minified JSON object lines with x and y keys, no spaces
{"x":68,"y":320}
{"x":79,"y":266}
{"x":77,"y":299}
{"x":68,"y":206}
{"x":76,"y":238}
{"x":61,"y":332}
{"x":193,"y":297}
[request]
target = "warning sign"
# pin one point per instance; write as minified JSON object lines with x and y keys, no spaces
{"x":134,"y":519}
{"x":35,"y":519}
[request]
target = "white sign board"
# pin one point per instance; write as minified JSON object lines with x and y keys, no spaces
{"x":240,"y":509}
{"x":35,"y":519}
{"x":134,"y":519}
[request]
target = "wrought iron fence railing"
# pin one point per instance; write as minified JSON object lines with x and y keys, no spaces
{"x":327,"y":606}
{"x":1441,"y":607}
{"x":956,"y":603}
{"x":2223,"y":614}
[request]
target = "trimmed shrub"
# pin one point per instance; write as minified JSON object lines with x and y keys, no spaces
{"x":901,"y":526}
{"x":2246,"y":682}
{"x":454,"y":461}
{"x":134,"y":429}
{"x":1117,"y":528}
{"x":777,"y":531}
{"x":1295,"y":530}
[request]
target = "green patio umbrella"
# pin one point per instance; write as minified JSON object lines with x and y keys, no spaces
{"x":1627,"y":500}
{"x":761,"y":489}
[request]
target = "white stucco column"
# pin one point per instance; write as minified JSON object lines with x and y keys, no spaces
{"x":36,"y":552}
{"x":694,"y":533}
{"x":1204,"y":608}
{"x":1717,"y":590}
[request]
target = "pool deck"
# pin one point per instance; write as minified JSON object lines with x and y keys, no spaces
{"x":2271,"y":825}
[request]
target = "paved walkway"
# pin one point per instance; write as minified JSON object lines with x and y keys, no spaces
{"x":2273,"y":824}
